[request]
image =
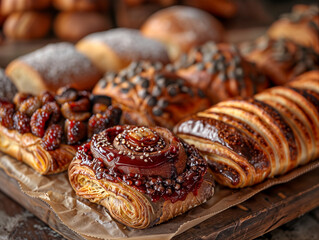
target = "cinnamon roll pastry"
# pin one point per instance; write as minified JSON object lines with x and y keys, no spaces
{"x":301,"y":26}
{"x":44,"y":131}
{"x":142,"y":176}
{"x":220,"y":71}
{"x":280,"y":59}
{"x":246,"y":141}
{"x":151,"y":96}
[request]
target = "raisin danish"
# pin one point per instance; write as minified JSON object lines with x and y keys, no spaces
{"x":281,"y":59}
{"x":246,"y":141}
{"x":142,"y":176}
{"x":150,"y":96}
{"x":220,"y":71}
{"x":301,"y":26}
{"x":44,"y":131}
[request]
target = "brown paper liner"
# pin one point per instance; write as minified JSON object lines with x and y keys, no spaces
{"x":92,"y":221}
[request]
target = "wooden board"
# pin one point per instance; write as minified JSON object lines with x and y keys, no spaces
{"x":258,"y":215}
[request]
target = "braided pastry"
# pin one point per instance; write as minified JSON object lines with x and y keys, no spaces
{"x":281,"y":60}
{"x":143,"y":176}
{"x":246,"y":141}
{"x":301,"y":26}
{"x":220,"y":71}
{"x":150,"y":96}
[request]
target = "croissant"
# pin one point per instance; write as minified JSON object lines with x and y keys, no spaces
{"x":142,"y":176}
{"x":220,"y":71}
{"x":149,"y":95}
{"x":246,"y":141}
{"x":44,"y":131}
{"x":281,"y":59}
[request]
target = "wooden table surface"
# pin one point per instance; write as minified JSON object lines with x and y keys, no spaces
{"x":268,"y":210}
{"x":18,"y":223}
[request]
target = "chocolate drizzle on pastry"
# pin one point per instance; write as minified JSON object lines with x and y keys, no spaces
{"x":152,"y":160}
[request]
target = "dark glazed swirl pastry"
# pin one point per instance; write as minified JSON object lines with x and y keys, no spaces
{"x":246,"y":141}
{"x":151,"y":96}
{"x":7,"y":88}
{"x":149,"y":171}
{"x":220,"y":71}
{"x":281,"y":60}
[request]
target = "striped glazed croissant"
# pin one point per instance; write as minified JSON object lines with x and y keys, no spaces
{"x":246,"y":141}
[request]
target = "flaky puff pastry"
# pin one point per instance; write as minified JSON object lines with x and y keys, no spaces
{"x":141,"y":185}
{"x":246,"y":141}
{"x":28,"y":149}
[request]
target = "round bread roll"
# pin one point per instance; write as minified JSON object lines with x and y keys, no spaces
{"x":180,"y":28}
{"x":72,"y":26}
{"x":80,"y":5}
{"x":7,"y":88}
{"x":27,"y":25}
{"x":10,"y":6}
{"x":115,"y":49}
{"x":222,"y":8}
{"x":52,"y":67}
{"x":300,"y":26}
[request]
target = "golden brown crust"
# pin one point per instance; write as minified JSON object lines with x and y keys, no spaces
{"x":151,"y":97}
{"x":246,"y":141}
{"x":301,"y":26}
{"x":52,"y":67}
{"x":80,"y":5}
{"x":72,"y":26}
{"x":189,"y":27}
{"x":220,"y":71}
{"x":27,"y":25}
{"x":281,"y":59}
{"x":28,"y":149}
{"x":10,"y":6}
{"x":128,"y":205}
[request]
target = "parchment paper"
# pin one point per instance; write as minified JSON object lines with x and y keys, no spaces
{"x":93,"y":222}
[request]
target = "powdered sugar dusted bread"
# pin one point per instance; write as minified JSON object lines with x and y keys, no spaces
{"x":115,"y":49}
{"x":180,"y":28}
{"x":52,"y":67}
{"x":7,"y":88}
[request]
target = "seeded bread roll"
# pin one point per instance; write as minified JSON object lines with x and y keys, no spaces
{"x":180,"y":28}
{"x":27,"y":25}
{"x":72,"y":26}
{"x":149,"y":96}
{"x":7,"y":88}
{"x":281,"y":59}
{"x":52,"y":67}
{"x":81,"y":5}
{"x":115,"y":49}
{"x":301,"y":26}
{"x":220,"y":71}
{"x":10,"y":6}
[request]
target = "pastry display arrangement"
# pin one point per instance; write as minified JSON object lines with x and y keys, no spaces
{"x":146,"y":125}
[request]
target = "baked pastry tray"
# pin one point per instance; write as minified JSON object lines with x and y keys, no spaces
{"x":231,"y":214}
